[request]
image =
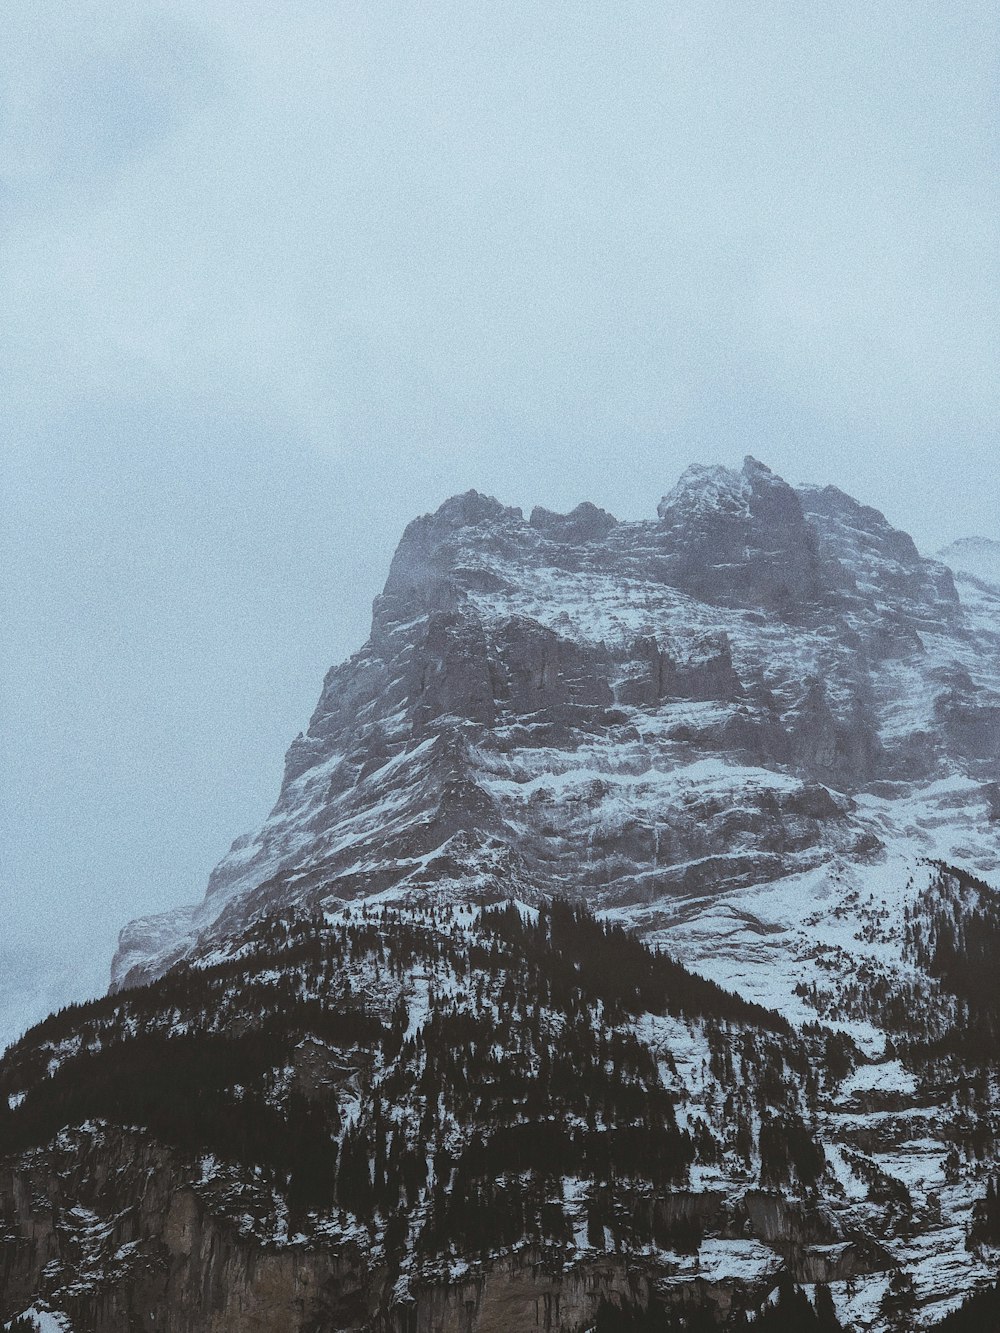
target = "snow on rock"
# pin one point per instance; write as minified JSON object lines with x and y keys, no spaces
{"x":722,"y":724}
{"x":47,"y":1321}
{"x":883,"y":1076}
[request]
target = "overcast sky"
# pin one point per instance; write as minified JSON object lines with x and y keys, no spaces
{"x":276,"y":278}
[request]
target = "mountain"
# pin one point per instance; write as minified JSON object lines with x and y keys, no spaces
{"x":623,"y":711}
{"x":621,"y":940}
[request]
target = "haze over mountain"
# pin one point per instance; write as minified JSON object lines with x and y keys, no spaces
{"x":978,"y":556}
{"x":448,"y":1044}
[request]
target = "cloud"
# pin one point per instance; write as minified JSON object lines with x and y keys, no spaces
{"x":89,"y":90}
{"x":588,"y":226}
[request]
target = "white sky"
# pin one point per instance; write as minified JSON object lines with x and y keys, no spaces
{"x":276,"y":278}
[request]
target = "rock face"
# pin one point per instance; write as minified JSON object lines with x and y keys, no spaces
{"x":122,"y":1238}
{"x":125,"y":1239}
{"x":740,"y":539}
{"x":620,"y":711}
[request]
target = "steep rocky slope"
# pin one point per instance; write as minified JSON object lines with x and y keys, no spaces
{"x":762,"y":731}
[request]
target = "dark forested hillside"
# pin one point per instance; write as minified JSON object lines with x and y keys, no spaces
{"x":440,"y":1082}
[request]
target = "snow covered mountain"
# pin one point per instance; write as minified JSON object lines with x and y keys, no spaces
{"x":757,"y":684}
{"x":761,"y":733}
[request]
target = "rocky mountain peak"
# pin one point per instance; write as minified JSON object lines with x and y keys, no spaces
{"x":429,"y":545}
{"x":585,"y":523}
{"x":740,"y":539}
{"x":706,"y":488}
{"x":471,"y":509}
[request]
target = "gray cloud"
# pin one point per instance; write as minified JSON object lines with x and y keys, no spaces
{"x":87,"y":92}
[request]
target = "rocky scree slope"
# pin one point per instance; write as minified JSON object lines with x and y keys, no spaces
{"x":761,"y":731}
